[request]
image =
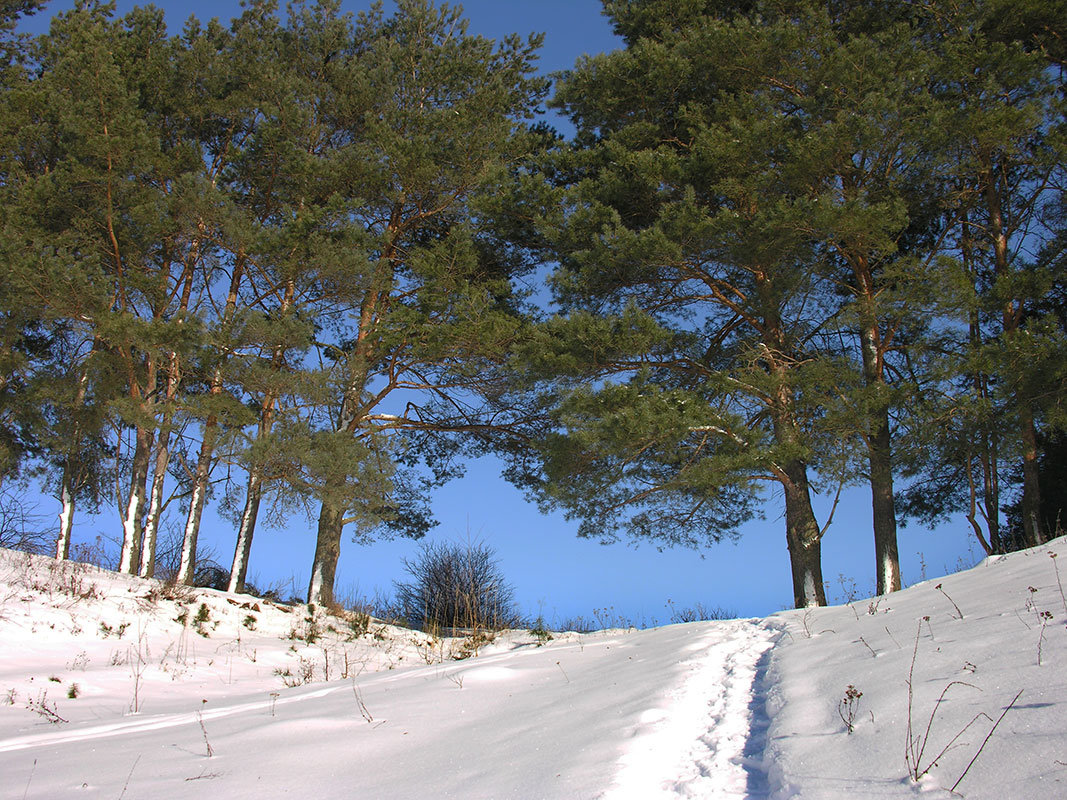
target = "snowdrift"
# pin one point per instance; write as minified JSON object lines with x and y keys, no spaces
{"x":111,"y":686}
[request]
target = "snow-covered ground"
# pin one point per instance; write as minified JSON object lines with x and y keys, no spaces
{"x":115,"y":687}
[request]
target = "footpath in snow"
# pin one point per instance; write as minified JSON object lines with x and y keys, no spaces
{"x":112,"y":688}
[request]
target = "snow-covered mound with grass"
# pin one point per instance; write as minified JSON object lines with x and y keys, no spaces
{"x":115,"y":687}
{"x":939,"y":665}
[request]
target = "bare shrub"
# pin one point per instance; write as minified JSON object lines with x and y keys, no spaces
{"x":99,"y":553}
{"x":457,"y":586}
{"x":22,"y":528}
{"x":699,"y":613}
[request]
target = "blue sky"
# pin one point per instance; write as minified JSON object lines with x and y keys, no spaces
{"x":555,"y":573}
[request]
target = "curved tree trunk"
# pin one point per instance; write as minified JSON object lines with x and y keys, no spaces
{"x":68,"y":482}
{"x":187,"y":565}
{"x":803,"y":538}
{"x":241,"y":554}
{"x":327,"y":553}
{"x":159,"y":475}
{"x":130,"y":557}
{"x":1033,"y":530}
{"x":155,"y":505}
{"x":246,"y":530}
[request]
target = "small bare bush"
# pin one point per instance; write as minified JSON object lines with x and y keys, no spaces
{"x":698,"y":613}
{"x":457,"y":586}
{"x":22,"y":528}
{"x":42,"y":708}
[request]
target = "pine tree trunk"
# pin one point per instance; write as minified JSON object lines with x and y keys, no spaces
{"x":1033,"y":530}
{"x":879,"y":441}
{"x":327,"y":553}
{"x":1011,"y":319}
{"x":803,"y":538}
{"x":131,"y":523}
{"x":247,"y":529}
{"x":241,"y":554}
{"x":187,"y":565}
{"x":69,"y":482}
{"x":159,"y":475}
{"x":887,"y":559}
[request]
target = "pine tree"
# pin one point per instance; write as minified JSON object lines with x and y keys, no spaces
{"x":421,"y":121}
{"x":1002,"y":109}
{"x":691,"y":226}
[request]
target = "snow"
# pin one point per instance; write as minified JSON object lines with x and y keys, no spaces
{"x":196,"y":692}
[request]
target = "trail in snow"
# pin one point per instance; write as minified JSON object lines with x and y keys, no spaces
{"x":707,"y":741}
{"x":715,"y":710}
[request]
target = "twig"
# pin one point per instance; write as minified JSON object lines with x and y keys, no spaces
{"x":563,"y":671}
{"x":848,"y":706}
{"x":33,"y":769}
{"x":891,"y":636}
{"x":203,"y":730}
{"x":126,"y":785}
{"x":987,"y":738}
{"x":1056,"y":567}
{"x":1045,"y":616}
{"x":873,"y":654}
{"x":938,"y":587}
{"x":360,"y":704}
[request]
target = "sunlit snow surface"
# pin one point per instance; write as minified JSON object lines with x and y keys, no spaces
{"x":744,"y":708}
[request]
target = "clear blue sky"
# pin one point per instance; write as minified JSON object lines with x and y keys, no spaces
{"x":554,"y":572}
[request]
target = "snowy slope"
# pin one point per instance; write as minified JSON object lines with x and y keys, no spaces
{"x":978,"y":638}
{"x":233,"y":700}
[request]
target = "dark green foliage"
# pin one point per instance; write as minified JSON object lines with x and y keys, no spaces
{"x":767,"y":208}
{"x":799,"y":245}
{"x":1052,"y":473}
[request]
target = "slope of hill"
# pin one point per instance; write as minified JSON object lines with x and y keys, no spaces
{"x":115,"y":687}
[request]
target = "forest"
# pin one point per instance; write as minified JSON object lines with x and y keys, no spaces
{"x":308,"y":263}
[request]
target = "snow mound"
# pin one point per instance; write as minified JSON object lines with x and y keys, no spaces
{"x":112,"y":686}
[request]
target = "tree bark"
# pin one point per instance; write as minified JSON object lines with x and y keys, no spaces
{"x":327,"y":553}
{"x":131,"y":523}
{"x":803,"y":538}
{"x":247,"y":528}
{"x":187,"y":566}
{"x":880,"y":459}
{"x":66,"y":515}
{"x":1033,"y":530}
{"x":68,"y":482}
{"x":243,"y":551}
{"x":887,"y":559}
{"x":1011,"y":316}
{"x":155,"y":505}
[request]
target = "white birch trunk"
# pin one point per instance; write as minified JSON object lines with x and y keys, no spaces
{"x":155,"y":508}
{"x":315,"y":587}
{"x":129,"y":559}
{"x":241,"y":553}
{"x":66,"y":519}
{"x":187,"y":567}
{"x":130,"y":531}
